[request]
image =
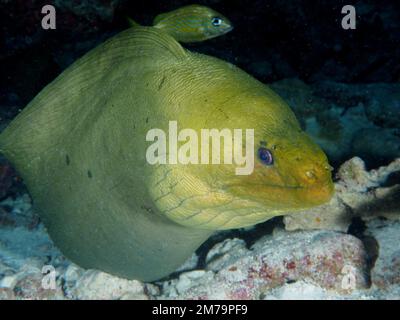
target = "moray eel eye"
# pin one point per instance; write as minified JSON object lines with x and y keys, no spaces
{"x":265,"y":156}
{"x":216,"y":21}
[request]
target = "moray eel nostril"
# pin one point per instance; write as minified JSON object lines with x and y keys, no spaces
{"x":311,"y":174}
{"x":80,"y":146}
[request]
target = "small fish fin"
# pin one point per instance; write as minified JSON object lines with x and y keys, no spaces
{"x":194,"y":8}
{"x":132,"y":22}
{"x":153,"y":42}
{"x":160,"y":17}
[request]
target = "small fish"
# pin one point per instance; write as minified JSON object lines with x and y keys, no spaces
{"x":193,"y":23}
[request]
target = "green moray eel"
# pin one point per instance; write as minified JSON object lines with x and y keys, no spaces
{"x":80,"y":147}
{"x":192,"y":23}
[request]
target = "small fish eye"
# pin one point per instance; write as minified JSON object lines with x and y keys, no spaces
{"x":265,"y":156}
{"x":216,"y":21}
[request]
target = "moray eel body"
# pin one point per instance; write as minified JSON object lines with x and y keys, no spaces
{"x":80,"y":147}
{"x":192,"y":23}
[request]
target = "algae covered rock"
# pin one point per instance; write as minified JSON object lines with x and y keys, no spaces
{"x":359,"y":193}
{"x":323,"y":258}
{"x":385,"y":273}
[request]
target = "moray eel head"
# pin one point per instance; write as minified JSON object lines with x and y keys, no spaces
{"x":290,"y":173}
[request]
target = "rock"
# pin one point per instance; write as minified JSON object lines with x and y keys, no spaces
{"x":6,"y":294}
{"x":31,"y":287}
{"x":300,"y":97}
{"x":302,"y":290}
{"x":221,"y":254}
{"x":383,"y":104}
{"x":18,"y":212}
{"x":385,"y":274}
{"x":186,"y":280}
{"x":339,"y":118}
{"x":376,"y":145}
{"x":97,"y":285}
{"x":358,"y":192}
{"x":347,"y":119}
{"x":367,"y":192}
{"x":9,"y":281}
{"x":334,"y":130}
{"x":298,"y":291}
{"x":334,"y":215}
{"x":189,"y":264}
{"x":72,"y":274}
{"x":354,"y":177}
{"x":318,"y":257}
{"x":19,"y":256}
{"x":380,"y":100}
{"x":30,"y":283}
{"x":25,"y":248}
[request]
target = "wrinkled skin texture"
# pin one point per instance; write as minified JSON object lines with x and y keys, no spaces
{"x":80,"y":147}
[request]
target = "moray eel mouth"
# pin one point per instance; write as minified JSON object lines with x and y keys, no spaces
{"x":254,"y":203}
{"x":289,"y":197}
